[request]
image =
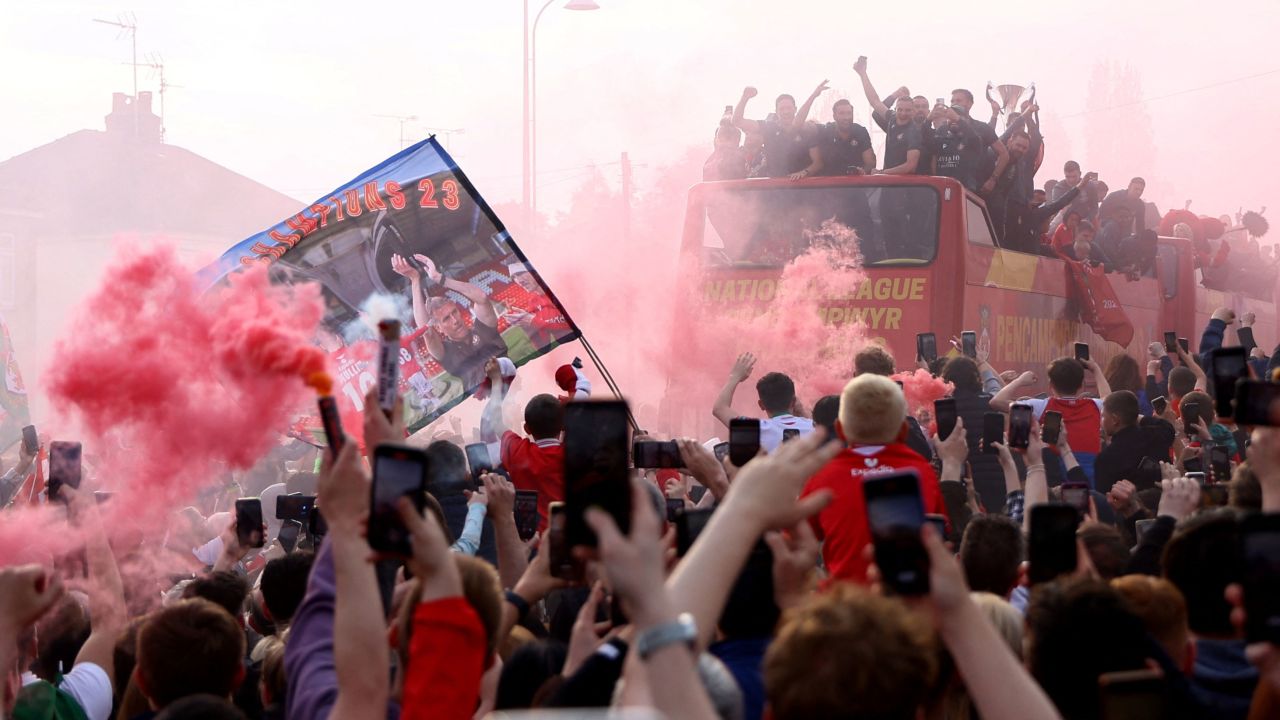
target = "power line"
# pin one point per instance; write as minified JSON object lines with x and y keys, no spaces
{"x":1169,"y":95}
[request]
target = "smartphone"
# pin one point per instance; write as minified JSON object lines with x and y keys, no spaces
{"x":1051,"y":548}
{"x":332,"y":423}
{"x":1261,"y":539}
{"x":656,"y":454}
{"x":1190,"y":415}
{"x":674,"y":506}
{"x":969,"y":344}
{"x":721,"y":451}
{"x":562,"y":563}
{"x":1220,"y":463}
{"x":249,"y":523}
{"x":1193,"y":466}
{"x":1171,"y":343}
{"x":289,"y":533}
{"x":596,"y":471}
{"x":1255,"y":402}
{"x":1212,"y":495}
{"x":1134,"y":695}
{"x":397,"y":471}
{"x":1142,"y":526}
{"x":1160,"y":405}
{"x":689,"y":524}
{"x":64,"y":466}
{"x":1020,"y":426}
{"x":1076,"y":495}
{"x":927,"y":347}
{"x":1185,"y":344}
{"x":1050,"y":427}
{"x":939,"y":523}
{"x":744,"y":440}
{"x":1148,"y":473}
{"x":1225,"y":367}
{"x":479,"y":461}
{"x":944,"y":413}
{"x":1082,"y":352}
{"x":992,"y":431}
{"x":295,"y":507}
{"x":789,"y":434}
{"x":895,"y":514}
{"x":30,"y":441}
{"x":526,"y":512}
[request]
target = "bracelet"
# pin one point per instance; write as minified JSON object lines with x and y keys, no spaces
{"x":1039,"y":467}
{"x":681,"y":630}
{"x":520,"y":604}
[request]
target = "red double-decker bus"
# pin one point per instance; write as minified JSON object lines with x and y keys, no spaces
{"x":930,"y":264}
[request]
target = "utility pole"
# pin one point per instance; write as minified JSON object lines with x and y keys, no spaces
{"x":448,"y":135}
{"x":626,"y":198}
{"x":156,"y":63}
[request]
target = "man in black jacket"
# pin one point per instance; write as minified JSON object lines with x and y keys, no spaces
{"x":1129,"y":441}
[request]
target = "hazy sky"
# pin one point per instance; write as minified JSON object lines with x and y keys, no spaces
{"x":285,"y":92}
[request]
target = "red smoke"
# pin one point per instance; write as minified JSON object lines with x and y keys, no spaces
{"x":922,"y":389}
{"x":171,"y":384}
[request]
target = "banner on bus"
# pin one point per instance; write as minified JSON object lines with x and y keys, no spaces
{"x":1090,"y":292}
{"x":412,"y":238}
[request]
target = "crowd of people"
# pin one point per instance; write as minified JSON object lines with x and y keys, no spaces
{"x":1078,"y":216}
{"x":779,"y":608}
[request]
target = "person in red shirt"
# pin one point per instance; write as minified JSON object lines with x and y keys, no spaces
{"x":535,"y":462}
{"x":873,"y":422}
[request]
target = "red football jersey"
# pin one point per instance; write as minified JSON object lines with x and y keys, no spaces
{"x":842,"y":525}
{"x":535,"y":465}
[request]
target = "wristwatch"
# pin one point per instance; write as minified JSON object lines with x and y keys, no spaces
{"x":680,"y":630}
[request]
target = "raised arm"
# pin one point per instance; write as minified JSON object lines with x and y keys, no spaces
{"x":740,"y":122}
{"x":1012,"y":391}
{"x":480,"y":304}
{"x":868,"y":89}
{"x":995,"y":109}
{"x":513,"y":558}
{"x":723,"y":409}
{"x":1099,"y":378}
{"x":106,"y":589}
{"x":403,"y":267}
{"x":492,"y":425}
{"x":803,"y":113}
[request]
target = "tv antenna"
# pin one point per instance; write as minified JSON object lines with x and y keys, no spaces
{"x":448,"y":134}
{"x":402,"y":119}
{"x":156,"y":63}
{"x":127,"y":22}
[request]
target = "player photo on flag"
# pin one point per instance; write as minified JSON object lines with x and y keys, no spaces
{"x":411,"y":239}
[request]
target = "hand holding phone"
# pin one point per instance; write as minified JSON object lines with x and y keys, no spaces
{"x":64,"y":466}
{"x":596,"y":471}
{"x":945,"y":415}
{"x":969,"y":344}
{"x":1050,"y":427}
{"x":1020,"y":417}
{"x":398,"y":471}
{"x":895,"y":514}
{"x":288,"y":536}
{"x":526,"y":513}
{"x":992,"y":432}
{"x":656,"y":454}
{"x":249,"y":527}
{"x":1171,"y":343}
{"x":927,"y":347}
{"x":1051,"y":549}
{"x":744,"y":440}
{"x":1082,"y":352}
{"x":479,"y":460}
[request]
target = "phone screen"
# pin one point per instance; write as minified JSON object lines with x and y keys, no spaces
{"x":478,"y":460}
{"x":1148,"y":474}
{"x":1261,"y":538}
{"x":1185,"y":344}
{"x":1020,"y":426}
{"x":526,"y":512}
{"x":939,"y":523}
{"x":289,"y":533}
{"x":1190,"y":416}
{"x":927,"y":347}
{"x":397,"y":471}
{"x":596,"y":472}
{"x":1220,"y":463}
{"x":1171,"y":343}
{"x":1142,"y":526}
{"x":969,"y":344}
{"x":656,"y":454}
{"x":64,"y":466}
{"x":721,"y":451}
{"x":944,"y":413}
{"x":1051,"y":549}
{"x":249,"y":523}
{"x":1226,"y":367}
{"x":563,"y":565}
{"x":1076,"y":495}
{"x":1082,"y":352}
{"x":992,"y":431}
{"x":1160,"y":405}
{"x":674,"y":506}
{"x":295,"y":507}
{"x":30,"y":441}
{"x":1212,"y":495}
{"x":895,"y":514}
{"x":1255,"y":402}
{"x":744,"y":440}
{"x":689,"y":524}
{"x":1050,"y":427}
{"x":1134,"y":695}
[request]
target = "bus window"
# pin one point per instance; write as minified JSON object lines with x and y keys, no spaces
{"x":894,"y":225}
{"x":977,"y":225}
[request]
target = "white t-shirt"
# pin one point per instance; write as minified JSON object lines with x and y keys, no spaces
{"x":90,"y":687}
{"x":771,"y":429}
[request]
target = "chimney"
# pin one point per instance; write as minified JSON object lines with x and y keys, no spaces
{"x":131,"y":118}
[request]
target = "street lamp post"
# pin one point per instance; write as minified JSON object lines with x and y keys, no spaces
{"x":529,"y":194}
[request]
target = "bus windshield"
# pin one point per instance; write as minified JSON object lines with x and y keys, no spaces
{"x":895,"y":224}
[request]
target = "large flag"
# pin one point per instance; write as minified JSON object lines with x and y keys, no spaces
{"x":411,"y":238}
{"x":1089,"y":291}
